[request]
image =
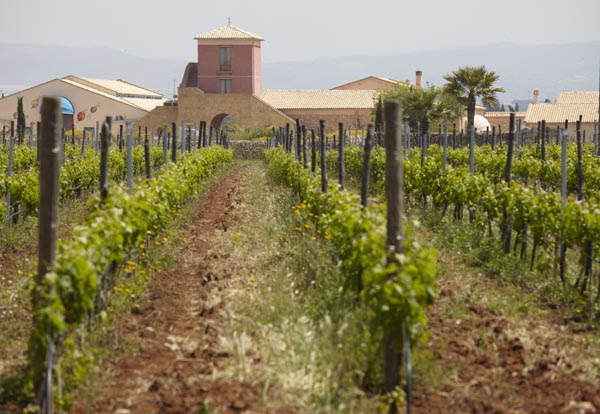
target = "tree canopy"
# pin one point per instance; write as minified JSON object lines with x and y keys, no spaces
{"x":468,"y":83}
{"x":424,"y":106}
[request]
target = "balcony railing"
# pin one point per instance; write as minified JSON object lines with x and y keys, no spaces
{"x":225,"y":68}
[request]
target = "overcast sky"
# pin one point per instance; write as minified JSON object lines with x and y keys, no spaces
{"x":298,"y":30}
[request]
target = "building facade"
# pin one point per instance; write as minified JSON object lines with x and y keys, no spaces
{"x":85,"y":102}
{"x":229,"y":61}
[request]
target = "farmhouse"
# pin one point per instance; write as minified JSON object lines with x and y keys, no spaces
{"x":85,"y":102}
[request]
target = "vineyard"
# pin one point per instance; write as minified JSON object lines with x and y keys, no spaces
{"x":349,"y":273}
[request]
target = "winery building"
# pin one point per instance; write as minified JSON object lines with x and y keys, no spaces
{"x":226,"y":82}
{"x":84,"y":102}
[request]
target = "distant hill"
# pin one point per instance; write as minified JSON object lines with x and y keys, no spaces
{"x":28,"y":65}
{"x":551,"y":68}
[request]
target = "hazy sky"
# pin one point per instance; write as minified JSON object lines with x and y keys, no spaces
{"x":298,"y":30}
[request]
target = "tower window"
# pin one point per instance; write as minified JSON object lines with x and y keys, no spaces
{"x":224,"y":85}
{"x":224,"y":59}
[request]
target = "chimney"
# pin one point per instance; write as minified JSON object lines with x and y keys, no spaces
{"x":418,"y":78}
{"x":536,"y":95}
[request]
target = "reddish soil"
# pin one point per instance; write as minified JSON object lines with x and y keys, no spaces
{"x":490,"y":371}
{"x":177,"y":329}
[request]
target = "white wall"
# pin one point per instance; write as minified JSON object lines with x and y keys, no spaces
{"x":89,"y":107}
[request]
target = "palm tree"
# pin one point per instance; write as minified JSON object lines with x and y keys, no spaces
{"x":469,"y":83}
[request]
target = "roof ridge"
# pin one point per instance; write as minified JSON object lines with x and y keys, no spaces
{"x":138,"y":86}
{"x":227,"y":32}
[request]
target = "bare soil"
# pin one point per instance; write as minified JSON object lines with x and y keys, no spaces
{"x":178,"y":328}
{"x":505,"y":365}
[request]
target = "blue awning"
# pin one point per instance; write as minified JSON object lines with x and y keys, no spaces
{"x":66,"y":106}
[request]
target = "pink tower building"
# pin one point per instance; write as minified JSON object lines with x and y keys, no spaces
{"x":229,"y":61}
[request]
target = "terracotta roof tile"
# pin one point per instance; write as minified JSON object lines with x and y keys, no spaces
{"x":320,"y":99}
{"x":577,"y":97}
{"x":499,"y":114}
{"x":228,"y":32}
{"x":559,"y":112}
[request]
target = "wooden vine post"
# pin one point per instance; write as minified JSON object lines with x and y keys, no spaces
{"x":147,"y":156}
{"x":394,"y":190}
{"x":517,"y":139}
{"x":472,"y":149}
{"x":304,"y":148}
{"x":582,"y":284}
{"x":37,"y":141}
{"x":341,"y":159}
{"x":129,"y":144}
{"x":323,"y":156}
{"x":454,"y":137}
{"x":104,"y":144}
{"x":297,"y":146}
{"x":424,"y":143}
{"x":472,"y":163}
{"x":165,"y":142}
{"x":96,"y":138}
{"x":201,"y":134}
{"x":506,"y":226}
{"x":579,"y":162}
{"x":174,"y":144}
{"x":11,"y":150}
{"x":500,"y":135}
{"x":364,"y":178}
{"x":182,"y":139}
{"x":445,"y":144}
{"x":543,"y":139}
{"x":48,"y":226}
{"x":563,"y":193}
{"x":121,"y":137}
{"x":313,"y":149}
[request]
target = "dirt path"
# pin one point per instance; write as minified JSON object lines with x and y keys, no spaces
{"x":178,"y":328}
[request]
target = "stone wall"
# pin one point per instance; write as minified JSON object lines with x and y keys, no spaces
{"x":159,"y":117}
{"x":248,"y":150}
{"x":247,"y":110}
{"x":194,"y":106}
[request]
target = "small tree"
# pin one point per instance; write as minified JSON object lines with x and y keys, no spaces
{"x":20,"y":119}
{"x":424,"y":106}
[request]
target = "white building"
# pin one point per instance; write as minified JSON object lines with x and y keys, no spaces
{"x":85,"y":101}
